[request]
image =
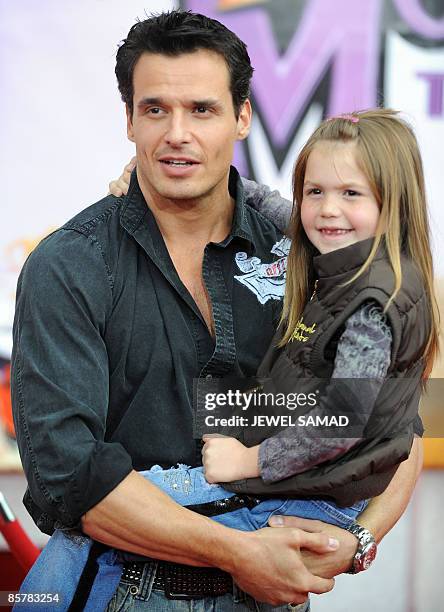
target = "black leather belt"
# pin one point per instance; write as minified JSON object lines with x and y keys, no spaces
{"x":181,"y":581}
{"x":186,"y":581}
{"x":227,"y":504}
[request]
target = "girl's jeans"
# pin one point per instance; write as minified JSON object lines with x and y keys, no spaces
{"x":60,"y":565}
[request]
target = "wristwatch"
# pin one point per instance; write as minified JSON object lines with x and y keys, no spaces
{"x":366,"y":549}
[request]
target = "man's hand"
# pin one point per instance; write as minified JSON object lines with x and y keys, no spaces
{"x":120,"y":186}
{"x":326,"y":565}
{"x":273,"y":571}
{"x":226,"y":459}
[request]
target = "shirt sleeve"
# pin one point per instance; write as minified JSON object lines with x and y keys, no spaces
{"x":269,"y":203}
{"x":363,"y":352}
{"x":60,"y":377}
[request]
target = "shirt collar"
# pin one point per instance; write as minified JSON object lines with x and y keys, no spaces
{"x":240,"y":227}
{"x":135,"y":208}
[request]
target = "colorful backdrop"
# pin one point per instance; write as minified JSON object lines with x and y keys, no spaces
{"x":63,"y":140}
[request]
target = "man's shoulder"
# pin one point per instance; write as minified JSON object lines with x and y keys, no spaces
{"x":81,"y":243}
{"x":97,"y":223}
{"x":95,"y":216}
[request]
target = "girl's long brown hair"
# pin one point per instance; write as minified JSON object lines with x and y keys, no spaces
{"x":388,"y":154}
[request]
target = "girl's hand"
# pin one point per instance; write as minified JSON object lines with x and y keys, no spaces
{"x":120,"y":186}
{"x":226,"y":459}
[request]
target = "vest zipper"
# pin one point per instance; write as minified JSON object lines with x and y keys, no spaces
{"x":314,"y":292}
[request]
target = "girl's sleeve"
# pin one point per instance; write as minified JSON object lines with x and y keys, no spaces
{"x":363,"y":352}
{"x":269,"y":203}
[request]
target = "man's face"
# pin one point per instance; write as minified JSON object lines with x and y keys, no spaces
{"x":184,"y":125}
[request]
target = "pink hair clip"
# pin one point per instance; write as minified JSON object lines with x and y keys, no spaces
{"x":348,"y":116}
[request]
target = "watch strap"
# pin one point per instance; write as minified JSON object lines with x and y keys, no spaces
{"x":366,"y":551}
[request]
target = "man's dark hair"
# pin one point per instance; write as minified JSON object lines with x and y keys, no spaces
{"x":176,"y":32}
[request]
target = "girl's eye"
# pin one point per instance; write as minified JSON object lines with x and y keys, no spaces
{"x":351,"y":192}
{"x":314,"y":191}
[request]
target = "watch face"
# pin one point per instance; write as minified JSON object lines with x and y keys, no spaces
{"x":368,"y":556}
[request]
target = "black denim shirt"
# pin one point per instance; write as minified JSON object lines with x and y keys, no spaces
{"x":107,"y":342}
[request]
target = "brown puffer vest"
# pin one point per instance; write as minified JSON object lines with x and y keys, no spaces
{"x":366,"y":469}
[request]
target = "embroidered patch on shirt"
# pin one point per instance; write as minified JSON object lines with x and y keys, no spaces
{"x":265,"y":280}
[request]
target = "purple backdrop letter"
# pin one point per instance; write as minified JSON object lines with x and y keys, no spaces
{"x":436,"y":85}
{"x":336,"y":33}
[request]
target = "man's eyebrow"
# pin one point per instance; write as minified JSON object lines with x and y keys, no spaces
{"x":206,"y":102}
{"x":150,"y":102}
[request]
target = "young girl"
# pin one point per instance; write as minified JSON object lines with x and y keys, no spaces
{"x":359,"y":309}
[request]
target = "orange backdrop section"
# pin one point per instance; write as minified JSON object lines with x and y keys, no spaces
{"x":5,"y":402}
{"x":434,"y":453}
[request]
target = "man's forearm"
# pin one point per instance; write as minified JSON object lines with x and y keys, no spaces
{"x":384,"y":511}
{"x":138,"y":517}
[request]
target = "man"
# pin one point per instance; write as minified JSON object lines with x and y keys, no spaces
{"x":121,"y":308}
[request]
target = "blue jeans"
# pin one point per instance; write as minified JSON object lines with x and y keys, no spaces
{"x":187,"y":486}
{"x":60,"y":565}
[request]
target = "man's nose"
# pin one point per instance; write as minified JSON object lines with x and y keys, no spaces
{"x":178,"y":130}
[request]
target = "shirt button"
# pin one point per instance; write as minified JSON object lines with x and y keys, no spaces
{"x":208,"y":376}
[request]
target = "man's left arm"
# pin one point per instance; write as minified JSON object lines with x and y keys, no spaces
{"x":382,"y":513}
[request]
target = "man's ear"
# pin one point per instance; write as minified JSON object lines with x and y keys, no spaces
{"x":244,"y":120}
{"x":129,"y":124}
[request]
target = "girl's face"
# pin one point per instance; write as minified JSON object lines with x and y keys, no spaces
{"x":338,"y":206}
